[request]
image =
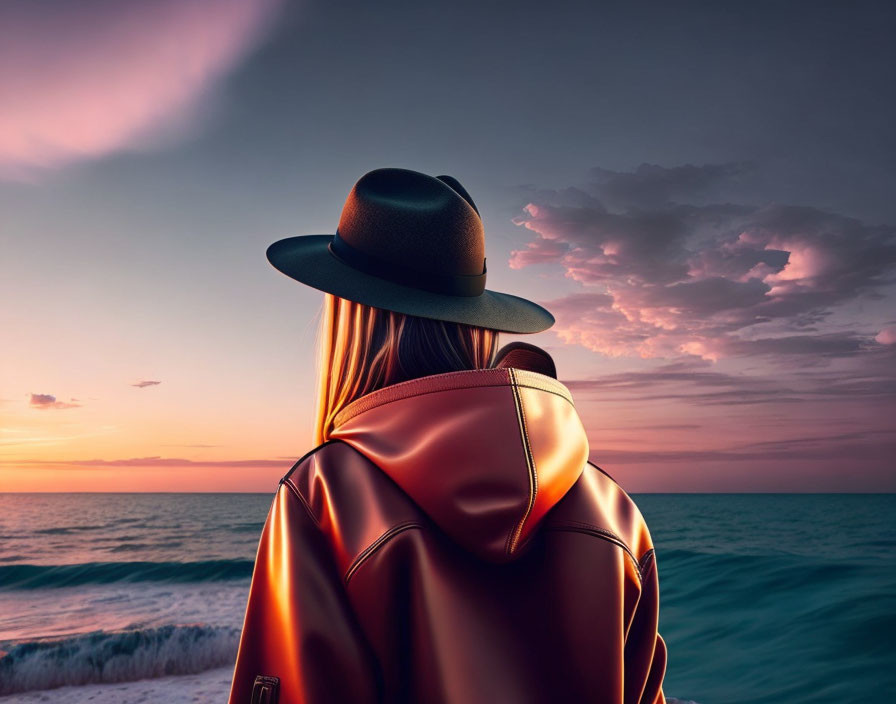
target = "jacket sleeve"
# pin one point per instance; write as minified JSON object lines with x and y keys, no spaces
{"x":299,"y":626}
{"x":645,"y":649}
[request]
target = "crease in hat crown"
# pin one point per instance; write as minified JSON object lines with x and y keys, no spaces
{"x":404,"y":204}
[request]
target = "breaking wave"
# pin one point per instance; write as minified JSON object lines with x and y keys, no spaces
{"x":122,"y":656}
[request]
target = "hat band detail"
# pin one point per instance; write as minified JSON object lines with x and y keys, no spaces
{"x":436,"y":282}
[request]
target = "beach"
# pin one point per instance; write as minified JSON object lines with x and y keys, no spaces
{"x":208,"y":686}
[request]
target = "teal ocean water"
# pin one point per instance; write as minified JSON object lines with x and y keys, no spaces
{"x":765,"y":598}
{"x":777,"y":598}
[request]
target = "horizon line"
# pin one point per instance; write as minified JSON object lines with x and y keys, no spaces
{"x":717,"y":493}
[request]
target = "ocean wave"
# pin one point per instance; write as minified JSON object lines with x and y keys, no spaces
{"x":121,"y":656}
{"x":68,"y":530}
{"x":49,"y":576}
{"x":108,"y":657}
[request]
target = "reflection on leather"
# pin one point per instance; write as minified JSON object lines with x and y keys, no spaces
{"x":452,"y":544}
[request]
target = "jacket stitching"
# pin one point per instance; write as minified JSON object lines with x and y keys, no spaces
{"x":288,"y":483}
{"x":517,"y":527}
{"x":304,"y":457}
{"x":590,"y":531}
{"x":366,"y":552}
{"x":370,"y":401}
{"x":514,"y":536}
{"x":376,"y":545}
{"x":542,"y":382}
{"x":606,"y":531}
{"x":398,"y":392}
{"x":287,"y":479}
{"x":602,"y":472}
{"x":342,"y":420}
{"x":609,"y":536}
{"x":645,"y":558}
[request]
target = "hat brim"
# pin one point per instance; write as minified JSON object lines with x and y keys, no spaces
{"x":307,"y":259}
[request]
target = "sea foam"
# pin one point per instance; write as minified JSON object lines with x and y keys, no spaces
{"x":120,"y":656}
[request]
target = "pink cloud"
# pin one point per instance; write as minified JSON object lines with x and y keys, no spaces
{"x":80,"y":80}
{"x":887,"y":336}
{"x":47,"y":401}
{"x":675,"y":279}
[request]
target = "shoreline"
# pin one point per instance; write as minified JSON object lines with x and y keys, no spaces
{"x":208,"y":686}
{"x":201,"y":688}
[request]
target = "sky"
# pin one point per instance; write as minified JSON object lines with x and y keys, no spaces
{"x":701,"y":193}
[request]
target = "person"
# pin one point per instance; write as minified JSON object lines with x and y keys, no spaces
{"x":447,"y":540}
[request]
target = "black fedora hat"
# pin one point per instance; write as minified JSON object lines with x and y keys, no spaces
{"x":413,"y":244}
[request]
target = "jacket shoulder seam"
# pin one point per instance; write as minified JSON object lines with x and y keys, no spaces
{"x":604,"y":473}
{"x":647,"y":561}
{"x":298,"y":463}
{"x":375,"y":546}
{"x":597,"y":532}
{"x":288,"y":483}
{"x":650,"y":551}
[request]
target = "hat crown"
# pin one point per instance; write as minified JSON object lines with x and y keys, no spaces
{"x":413,"y":244}
{"x":413,"y":221}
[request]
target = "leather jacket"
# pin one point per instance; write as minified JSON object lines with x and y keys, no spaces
{"x":452,"y":544}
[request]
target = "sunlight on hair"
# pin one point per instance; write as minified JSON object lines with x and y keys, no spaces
{"x":362,"y":349}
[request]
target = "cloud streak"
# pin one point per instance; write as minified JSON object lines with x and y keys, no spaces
{"x":153,"y":461}
{"x":694,"y":383}
{"x":81,"y":80}
{"x":852,"y":447}
{"x":146,"y":382}
{"x":48,"y":401}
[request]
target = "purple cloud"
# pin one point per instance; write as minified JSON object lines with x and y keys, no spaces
{"x":47,"y":401}
{"x":146,"y":382}
{"x":887,"y":336}
{"x":80,"y":80}
{"x":849,"y":447}
{"x":666,"y":272}
{"x":697,"y":383}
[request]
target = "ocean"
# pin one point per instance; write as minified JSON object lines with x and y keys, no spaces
{"x":764,"y":598}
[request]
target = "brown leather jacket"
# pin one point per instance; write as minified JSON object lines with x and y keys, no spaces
{"x":452,"y":544}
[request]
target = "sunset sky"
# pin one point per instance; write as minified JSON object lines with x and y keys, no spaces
{"x":701,"y":192}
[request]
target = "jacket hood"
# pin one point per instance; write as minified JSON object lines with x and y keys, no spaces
{"x":485,"y":453}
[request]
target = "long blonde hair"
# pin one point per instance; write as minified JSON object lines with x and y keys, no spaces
{"x":362,"y":349}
